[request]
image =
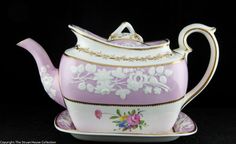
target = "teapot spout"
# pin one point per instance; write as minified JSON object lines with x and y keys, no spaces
{"x":48,"y":73}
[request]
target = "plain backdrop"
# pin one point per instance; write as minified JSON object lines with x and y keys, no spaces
{"x":26,"y":110}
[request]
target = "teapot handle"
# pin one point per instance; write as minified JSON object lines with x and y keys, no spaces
{"x":208,"y":32}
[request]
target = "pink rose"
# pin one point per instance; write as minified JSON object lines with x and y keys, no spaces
{"x":98,"y":114}
{"x":133,"y":120}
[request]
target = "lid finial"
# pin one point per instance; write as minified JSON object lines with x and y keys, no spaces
{"x":119,"y":34}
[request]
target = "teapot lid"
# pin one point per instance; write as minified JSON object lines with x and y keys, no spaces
{"x":120,"y":49}
{"x":129,"y":40}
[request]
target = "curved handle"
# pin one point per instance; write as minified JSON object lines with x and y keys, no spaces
{"x":208,"y":32}
{"x":118,"y":33}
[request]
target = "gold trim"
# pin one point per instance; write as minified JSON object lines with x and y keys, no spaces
{"x":77,"y":30}
{"x":124,"y":58}
{"x":122,"y":105}
{"x":212,"y":70}
{"x":135,"y":37}
{"x":110,"y":65}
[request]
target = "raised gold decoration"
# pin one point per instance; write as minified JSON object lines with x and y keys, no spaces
{"x":123,"y":58}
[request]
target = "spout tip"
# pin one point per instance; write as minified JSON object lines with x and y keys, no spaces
{"x":72,"y":27}
{"x":213,"y":29}
{"x":22,"y":43}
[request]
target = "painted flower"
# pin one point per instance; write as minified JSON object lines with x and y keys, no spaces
{"x":123,"y":124}
{"x":122,"y":93}
{"x":98,"y":114}
{"x":128,"y":121}
{"x":123,"y":118}
{"x":134,"y":120}
{"x":136,"y":80}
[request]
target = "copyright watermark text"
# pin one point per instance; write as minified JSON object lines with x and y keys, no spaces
{"x":27,"y":142}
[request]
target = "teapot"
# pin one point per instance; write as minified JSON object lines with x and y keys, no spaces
{"x":123,"y":84}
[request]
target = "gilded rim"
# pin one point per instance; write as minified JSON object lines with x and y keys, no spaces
{"x":110,"y":65}
{"x":126,"y":134}
{"x":123,"y":58}
{"x":123,"y":105}
{"x":73,"y":27}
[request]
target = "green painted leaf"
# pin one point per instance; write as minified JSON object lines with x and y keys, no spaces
{"x":140,"y":112}
{"x":140,"y":127}
{"x":116,"y":121}
{"x":142,"y":122}
{"x":124,"y":129}
{"x":114,"y":117}
{"x":129,"y":113}
{"x":118,"y":112}
{"x":133,"y":112}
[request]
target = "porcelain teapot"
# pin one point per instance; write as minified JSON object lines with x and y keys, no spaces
{"x":123,"y":84}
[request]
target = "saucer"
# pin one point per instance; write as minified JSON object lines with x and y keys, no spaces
{"x":184,"y":126}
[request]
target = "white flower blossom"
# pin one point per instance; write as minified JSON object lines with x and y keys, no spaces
{"x":47,"y":81}
{"x":118,"y":81}
{"x":160,"y":70}
{"x":168,"y":72}
{"x":153,"y":80}
{"x":80,"y":68}
{"x":147,"y":90}
{"x":151,"y":70}
{"x":82,"y":86}
{"x":163,"y":79}
{"x":118,"y":73}
{"x":90,"y":87}
{"x":90,"y":68}
{"x":122,"y":93}
{"x":157,"y":90}
{"x":73,"y":69}
{"x":136,"y":80}
{"x":102,"y":75}
{"x":104,"y":88}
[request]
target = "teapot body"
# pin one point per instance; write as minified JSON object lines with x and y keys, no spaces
{"x":94,"y":92}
